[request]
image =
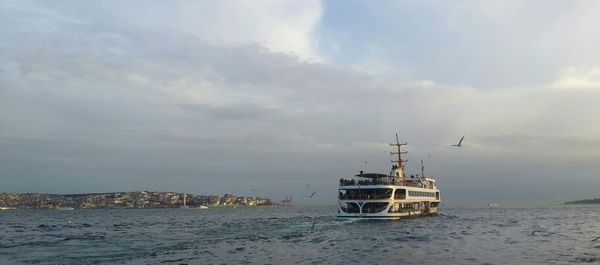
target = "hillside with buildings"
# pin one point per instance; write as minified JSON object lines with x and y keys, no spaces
{"x":141,"y":199}
{"x":587,"y":201}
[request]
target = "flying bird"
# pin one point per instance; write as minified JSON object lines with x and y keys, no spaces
{"x":459,"y":145}
{"x":312,"y":195}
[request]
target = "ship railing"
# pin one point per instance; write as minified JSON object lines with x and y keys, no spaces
{"x":363,"y":197}
{"x":400,"y":210}
{"x":367,"y":182}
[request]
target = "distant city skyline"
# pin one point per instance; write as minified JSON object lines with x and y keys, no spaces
{"x":131,"y":199}
{"x":262,"y":98}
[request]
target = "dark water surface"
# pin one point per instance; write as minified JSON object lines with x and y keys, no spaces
{"x":503,"y":235}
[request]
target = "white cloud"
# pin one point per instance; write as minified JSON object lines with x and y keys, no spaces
{"x":579,"y":78}
{"x":280,"y":26}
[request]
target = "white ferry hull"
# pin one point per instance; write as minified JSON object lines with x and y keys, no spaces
{"x":386,"y":216}
{"x":392,"y":202}
{"x":388,"y":196}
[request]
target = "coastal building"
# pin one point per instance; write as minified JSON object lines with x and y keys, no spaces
{"x":228,"y":199}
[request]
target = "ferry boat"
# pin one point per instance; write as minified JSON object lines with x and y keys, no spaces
{"x":388,"y":196}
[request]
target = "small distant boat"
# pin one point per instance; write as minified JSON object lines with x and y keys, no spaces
{"x":491,"y":204}
{"x":7,"y":208}
{"x":185,"y":206}
{"x":65,"y":208}
{"x":199,"y":207}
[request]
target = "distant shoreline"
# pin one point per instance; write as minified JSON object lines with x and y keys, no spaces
{"x":587,"y":201}
{"x":128,"y":200}
{"x":7,"y":209}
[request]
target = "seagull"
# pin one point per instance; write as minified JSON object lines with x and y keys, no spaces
{"x":459,"y":145}
{"x":312,"y":195}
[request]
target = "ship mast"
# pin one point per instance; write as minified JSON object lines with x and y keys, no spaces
{"x":400,"y":168}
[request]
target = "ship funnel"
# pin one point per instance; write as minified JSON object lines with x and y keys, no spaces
{"x":397,"y":171}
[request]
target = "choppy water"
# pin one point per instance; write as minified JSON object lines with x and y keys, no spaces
{"x":503,"y":235}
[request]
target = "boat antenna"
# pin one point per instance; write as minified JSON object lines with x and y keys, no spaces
{"x":400,"y":161}
{"x":422,"y":169}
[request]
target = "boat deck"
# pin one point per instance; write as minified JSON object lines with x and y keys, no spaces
{"x":375,"y":182}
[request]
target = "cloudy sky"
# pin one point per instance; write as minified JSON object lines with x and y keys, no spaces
{"x":264,"y":97}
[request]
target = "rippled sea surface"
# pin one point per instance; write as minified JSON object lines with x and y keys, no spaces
{"x":300,"y":235}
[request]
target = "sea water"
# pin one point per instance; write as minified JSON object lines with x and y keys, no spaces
{"x":556,"y":234}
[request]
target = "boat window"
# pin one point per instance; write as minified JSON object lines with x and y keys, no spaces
{"x":364,"y":194}
{"x":342,"y":195}
{"x":421,"y":194}
{"x":398,"y":207}
{"x":349,"y":207}
{"x":400,"y":194}
{"x":374,"y":207}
